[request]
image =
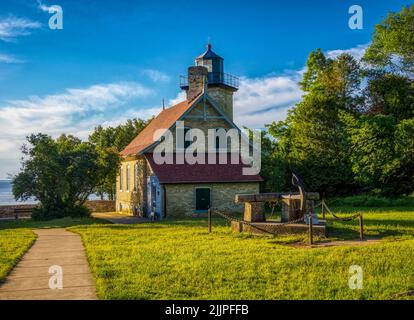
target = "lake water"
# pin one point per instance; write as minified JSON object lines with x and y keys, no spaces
{"x":6,"y":195}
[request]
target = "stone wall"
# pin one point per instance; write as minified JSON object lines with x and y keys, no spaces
{"x":8,"y":211}
{"x":197,"y":77}
{"x":24,"y":210}
{"x":101,"y":205}
{"x":195,"y":120}
{"x":181,"y":198}
{"x":224,"y":98}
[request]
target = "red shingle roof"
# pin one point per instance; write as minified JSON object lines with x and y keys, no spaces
{"x":164,"y":120}
{"x":200,"y":173}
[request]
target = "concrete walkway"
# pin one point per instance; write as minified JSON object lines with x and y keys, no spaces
{"x":119,"y":218}
{"x":30,"y":278}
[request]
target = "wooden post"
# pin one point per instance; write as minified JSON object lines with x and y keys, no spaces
{"x":361,"y":227}
{"x":310,"y":229}
{"x":323,"y":209}
{"x":209,"y":220}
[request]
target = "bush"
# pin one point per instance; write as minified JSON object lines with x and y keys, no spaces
{"x":372,"y":201}
{"x":43,"y":213}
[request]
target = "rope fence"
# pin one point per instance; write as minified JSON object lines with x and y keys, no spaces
{"x":280,"y":225}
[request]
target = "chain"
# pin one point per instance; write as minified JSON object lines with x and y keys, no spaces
{"x":255,"y":226}
{"x":357,"y":215}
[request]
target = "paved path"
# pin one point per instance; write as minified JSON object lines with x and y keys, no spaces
{"x":120,"y":218}
{"x":30,"y":278}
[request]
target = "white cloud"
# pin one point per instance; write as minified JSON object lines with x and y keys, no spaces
{"x":141,"y":113}
{"x":156,"y":76}
{"x":181,"y":96}
{"x":260,"y":101}
{"x":75,"y":111}
{"x":43,"y":6}
{"x":5,"y":58}
{"x":13,"y":27}
{"x":357,"y":52}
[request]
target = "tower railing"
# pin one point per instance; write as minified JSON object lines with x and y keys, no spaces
{"x":215,"y":78}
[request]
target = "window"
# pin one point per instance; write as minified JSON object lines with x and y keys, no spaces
{"x":120,"y":179}
{"x":187,"y":143}
{"x":127,"y":178}
{"x":221,"y":140}
{"x":182,"y":145}
{"x":206,"y":63}
{"x":135,"y":177}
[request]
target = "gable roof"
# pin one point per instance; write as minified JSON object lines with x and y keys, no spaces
{"x":165,"y":120}
{"x":201,"y":173}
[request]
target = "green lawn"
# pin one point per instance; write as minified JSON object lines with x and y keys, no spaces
{"x":180,"y":260}
{"x":13,"y":244}
{"x":16,"y":237}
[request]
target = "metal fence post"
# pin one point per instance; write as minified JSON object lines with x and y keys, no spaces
{"x":323,"y":209}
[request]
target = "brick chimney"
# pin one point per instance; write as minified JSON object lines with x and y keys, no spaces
{"x":197,"y":78}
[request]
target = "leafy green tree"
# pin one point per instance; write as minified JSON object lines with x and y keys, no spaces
{"x":382,"y":140}
{"x":313,"y":137}
{"x":390,"y":94}
{"x":382,"y":154}
{"x":273,"y":165}
{"x":315,"y":65}
{"x":112,"y":140}
{"x":392,"y":46}
{"x":61,"y":174}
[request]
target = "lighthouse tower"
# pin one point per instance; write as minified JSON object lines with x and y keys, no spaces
{"x":208,"y":74}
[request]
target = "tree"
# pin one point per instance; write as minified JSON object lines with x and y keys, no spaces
{"x":390,"y":94}
{"x":112,"y":140}
{"x":392,"y":44}
{"x":61,"y":174}
{"x":382,"y":140}
{"x":382,"y":154}
{"x":313,"y":137}
{"x":273,"y":165}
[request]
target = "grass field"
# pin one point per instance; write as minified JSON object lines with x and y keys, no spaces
{"x":180,"y":260}
{"x":13,"y":244}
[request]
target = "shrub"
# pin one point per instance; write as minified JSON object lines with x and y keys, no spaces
{"x":47,"y":213}
{"x":372,"y":201}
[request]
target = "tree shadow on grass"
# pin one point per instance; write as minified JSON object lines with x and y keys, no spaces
{"x":55,"y":223}
{"x":376,"y":229}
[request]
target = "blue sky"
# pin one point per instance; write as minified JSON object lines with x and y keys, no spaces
{"x":118,"y":59}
